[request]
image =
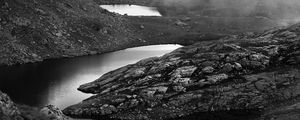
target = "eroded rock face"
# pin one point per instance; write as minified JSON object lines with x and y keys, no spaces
{"x":236,"y":73}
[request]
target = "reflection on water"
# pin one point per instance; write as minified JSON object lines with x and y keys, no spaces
{"x":55,"y":81}
{"x":132,"y":10}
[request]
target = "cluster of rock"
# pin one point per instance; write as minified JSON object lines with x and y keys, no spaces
{"x":53,"y":113}
{"x":11,"y":111}
{"x":232,"y":74}
{"x":8,"y":109}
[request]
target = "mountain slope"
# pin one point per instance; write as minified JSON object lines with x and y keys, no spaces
{"x":33,"y":30}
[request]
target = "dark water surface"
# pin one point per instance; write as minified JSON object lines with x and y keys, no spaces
{"x":55,"y":81}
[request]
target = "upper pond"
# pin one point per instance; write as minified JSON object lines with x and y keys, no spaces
{"x":56,"y":81}
{"x":132,"y":10}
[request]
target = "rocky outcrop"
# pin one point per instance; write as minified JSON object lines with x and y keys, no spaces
{"x":8,"y":109}
{"x":12,"y":111}
{"x":233,"y":74}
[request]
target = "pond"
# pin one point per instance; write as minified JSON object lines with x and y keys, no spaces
{"x":56,"y":81}
{"x":132,"y":10}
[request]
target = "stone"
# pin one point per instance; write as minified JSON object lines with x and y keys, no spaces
{"x":227,"y":68}
{"x":136,"y":72}
{"x":184,"y":72}
{"x":238,"y":66}
{"x":186,"y":19}
{"x":161,"y":89}
{"x":142,"y":26}
{"x":183,"y":81}
{"x":261,"y":85}
{"x":148,"y":93}
{"x":107,"y":109}
{"x":180,"y":23}
{"x":179,"y":89}
{"x":53,"y":113}
{"x":232,"y":58}
{"x":256,"y":57}
{"x":59,"y":34}
{"x":151,"y":91}
{"x":133,"y":103}
{"x":208,"y":69}
{"x":217,"y":78}
{"x":40,"y":11}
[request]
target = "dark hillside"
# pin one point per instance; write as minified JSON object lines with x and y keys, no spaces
{"x":35,"y":30}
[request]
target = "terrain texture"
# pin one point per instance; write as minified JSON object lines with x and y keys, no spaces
{"x":228,"y":69}
{"x":244,"y":74}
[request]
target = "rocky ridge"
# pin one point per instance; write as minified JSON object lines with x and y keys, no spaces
{"x":237,"y":73}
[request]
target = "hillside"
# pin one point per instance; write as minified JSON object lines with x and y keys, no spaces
{"x":238,"y":77}
{"x":36,"y":30}
{"x":33,"y":30}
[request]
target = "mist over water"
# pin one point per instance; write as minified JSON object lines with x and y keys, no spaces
{"x":284,"y":11}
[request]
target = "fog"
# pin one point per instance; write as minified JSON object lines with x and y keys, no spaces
{"x":282,"y":10}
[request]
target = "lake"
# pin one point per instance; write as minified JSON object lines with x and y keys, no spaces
{"x":132,"y":10}
{"x":56,"y":81}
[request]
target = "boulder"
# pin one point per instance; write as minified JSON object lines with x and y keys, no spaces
{"x":53,"y":113}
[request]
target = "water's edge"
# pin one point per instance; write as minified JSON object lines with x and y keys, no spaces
{"x":56,"y":81}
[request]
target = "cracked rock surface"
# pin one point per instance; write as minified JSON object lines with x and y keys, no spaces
{"x":232,"y":74}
